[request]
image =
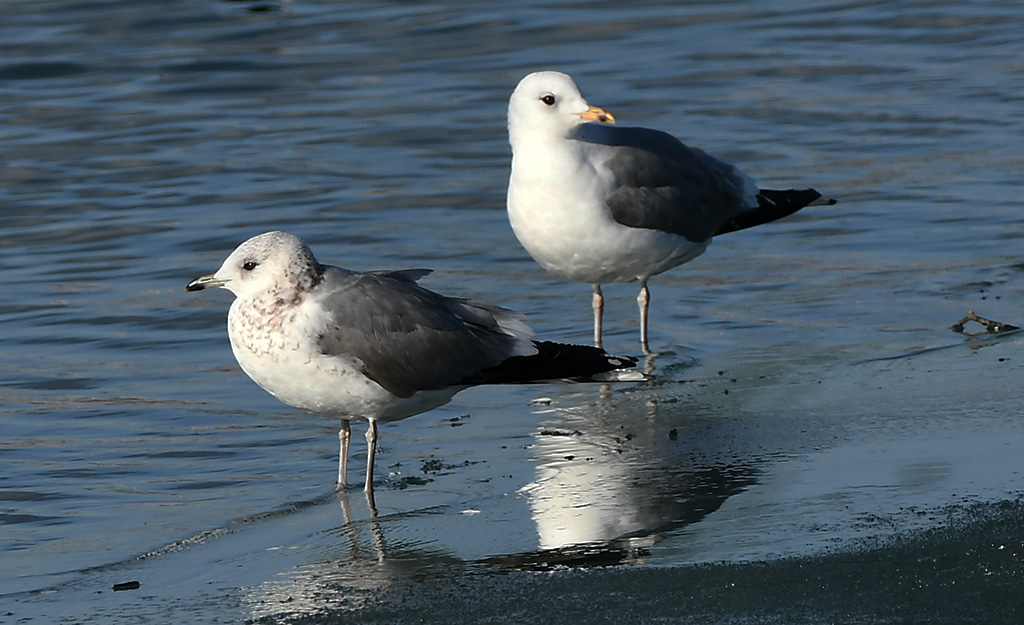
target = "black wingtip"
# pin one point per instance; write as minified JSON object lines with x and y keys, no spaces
{"x":774,"y":204}
{"x":553,"y":361}
{"x":622,"y":362}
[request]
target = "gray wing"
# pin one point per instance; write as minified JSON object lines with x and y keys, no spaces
{"x":664,"y":185}
{"x":409,"y":338}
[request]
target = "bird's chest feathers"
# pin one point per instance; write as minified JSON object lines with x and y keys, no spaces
{"x":555,"y":186}
{"x":265,"y":329}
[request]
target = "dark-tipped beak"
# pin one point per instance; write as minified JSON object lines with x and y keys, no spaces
{"x":204,"y":282}
{"x":597,"y":114}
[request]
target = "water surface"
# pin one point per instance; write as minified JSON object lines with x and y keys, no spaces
{"x":815,"y":435}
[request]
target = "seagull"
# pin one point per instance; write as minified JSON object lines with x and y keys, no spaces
{"x":376,"y":346}
{"x":599,"y":203}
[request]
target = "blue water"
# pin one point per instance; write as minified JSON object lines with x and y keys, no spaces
{"x":818,"y":401}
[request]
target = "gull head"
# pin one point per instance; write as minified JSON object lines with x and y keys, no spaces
{"x":550,"y":103}
{"x":273,"y":263}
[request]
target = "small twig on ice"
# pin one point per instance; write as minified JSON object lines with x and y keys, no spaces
{"x":992,"y":327}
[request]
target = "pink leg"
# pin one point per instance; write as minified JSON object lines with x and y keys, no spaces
{"x":371,"y":451}
{"x":344,"y":435}
{"x":643,"y":300}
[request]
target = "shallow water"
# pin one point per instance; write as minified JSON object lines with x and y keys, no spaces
{"x":813,"y":420}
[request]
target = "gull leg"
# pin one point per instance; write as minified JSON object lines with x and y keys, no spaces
{"x":371,"y":451}
{"x":643,"y":300}
{"x":344,"y":435}
{"x":598,"y":314}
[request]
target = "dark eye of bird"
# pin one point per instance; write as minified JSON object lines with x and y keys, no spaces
{"x":250,"y":265}
{"x":548,"y":99}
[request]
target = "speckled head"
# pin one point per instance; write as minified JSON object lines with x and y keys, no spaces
{"x":275,"y":264}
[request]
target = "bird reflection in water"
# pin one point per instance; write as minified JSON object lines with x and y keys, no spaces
{"x":609,"y":484}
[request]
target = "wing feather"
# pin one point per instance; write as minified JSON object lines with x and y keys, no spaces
{"x":662,"y":184}
{"x":409,"y":338}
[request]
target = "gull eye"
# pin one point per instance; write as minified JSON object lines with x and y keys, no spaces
{"x":548,"y":99}
{"x":250,"y":265}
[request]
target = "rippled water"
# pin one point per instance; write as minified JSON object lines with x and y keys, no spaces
{"x":813,"y":420}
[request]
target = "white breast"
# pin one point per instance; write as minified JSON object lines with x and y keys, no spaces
{"x":556,"y":206}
